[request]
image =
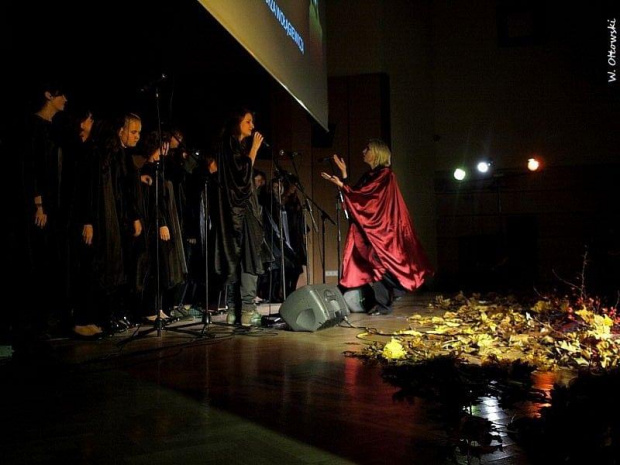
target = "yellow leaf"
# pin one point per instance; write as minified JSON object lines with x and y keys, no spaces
{"x":542,"y":306}
{"x":585,"y":315}
{"x":393,"y":350}
{"x":483,"y":340}
{"x":567,"y":346}
{"x":519,"y":339}
{"x":411,"y":332}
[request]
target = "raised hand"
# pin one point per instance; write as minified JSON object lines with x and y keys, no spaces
{"x":332,"y":178}
{"x":257,"y":140}
{"x":342,"y":166}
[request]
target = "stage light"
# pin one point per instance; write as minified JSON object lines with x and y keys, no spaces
{"x":533,"y":164}
{"x":459,"y":174}
{"x":483,"y":166}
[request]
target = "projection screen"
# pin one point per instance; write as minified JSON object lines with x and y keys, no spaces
{"x":287,"y":37}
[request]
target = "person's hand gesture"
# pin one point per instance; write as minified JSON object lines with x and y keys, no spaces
{"x":40,"y":218}
{"x":257,"y":140}
{"x":165,"y":147}
{"x":87,"y":234}
{"x":332,"y":178}
{"x":342,"y":166}
{"x":164,"y":233}
{"x":137,"y":228}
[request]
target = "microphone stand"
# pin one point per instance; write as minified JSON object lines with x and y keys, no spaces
{"x":281,"y":176}
{"x":206,"y":315}
{"x":324,"y":217}
{"x":340,"y":207}
{"x":307,"y":208}
{"x":158,"y":325}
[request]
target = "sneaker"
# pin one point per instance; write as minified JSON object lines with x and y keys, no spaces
{"x":250,"y":318}
{"x":181,"y":313}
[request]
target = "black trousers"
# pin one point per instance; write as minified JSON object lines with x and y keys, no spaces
{"x":386,"y":290}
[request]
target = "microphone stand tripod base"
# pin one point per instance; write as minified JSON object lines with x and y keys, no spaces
{"x":273,"y":321}
{"x":205,"y":322}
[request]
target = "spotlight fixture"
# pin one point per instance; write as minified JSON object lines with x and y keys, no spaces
{"x":533,"y":164}
{"x":483,"y":166}
{"x":459,"y":174}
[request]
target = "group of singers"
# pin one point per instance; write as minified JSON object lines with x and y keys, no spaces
{"x":117,"y":234}
{"x":117,"y":231}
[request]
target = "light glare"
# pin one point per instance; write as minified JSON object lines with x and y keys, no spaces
{"x":459,"y":174}
{"x":483,"y":166}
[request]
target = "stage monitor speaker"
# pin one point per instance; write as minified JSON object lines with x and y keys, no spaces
{"x":314,"y":307}
{"x":360,"y":299}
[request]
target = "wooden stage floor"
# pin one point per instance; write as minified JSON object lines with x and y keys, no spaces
{"x":258,"y":396}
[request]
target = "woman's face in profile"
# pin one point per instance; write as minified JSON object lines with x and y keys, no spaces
{"x":369,"y":156}
{"x":246,"y":126}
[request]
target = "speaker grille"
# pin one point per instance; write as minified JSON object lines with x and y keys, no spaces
{"x":314,"y":307}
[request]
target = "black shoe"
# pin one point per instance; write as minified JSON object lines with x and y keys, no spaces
{"x":124,"y":321}
{"x":377,"y":310}
{"x":115,"y":327}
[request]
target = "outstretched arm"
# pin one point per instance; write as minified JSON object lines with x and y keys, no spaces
{"x":333,"y":179}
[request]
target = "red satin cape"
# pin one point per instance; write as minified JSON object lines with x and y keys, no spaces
{"x":381,"y":236}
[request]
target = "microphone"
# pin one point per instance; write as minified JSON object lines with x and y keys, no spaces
{"x":154,"y":83}
{"x":264,"y":143}
{"x":288,"y":153}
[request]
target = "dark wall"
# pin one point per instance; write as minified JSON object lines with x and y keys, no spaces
{"x":518,"y":230}
{"x":516,"y":78}
{"x":105,"y":53}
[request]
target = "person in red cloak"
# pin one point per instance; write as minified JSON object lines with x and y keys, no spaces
{"x":381,"y":248}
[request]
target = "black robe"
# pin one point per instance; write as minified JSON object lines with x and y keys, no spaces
{"x":46,"y":248}
{"x":42,"y":165}
{"x":236,"y":215}
{"x":160,"y":212}
{"x":115,"y":205}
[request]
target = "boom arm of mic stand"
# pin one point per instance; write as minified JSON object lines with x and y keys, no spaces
{"x":309,"y":199}
{"x":309,"y":208}
{"x":341,"y":200}
{"x":323,"y":212}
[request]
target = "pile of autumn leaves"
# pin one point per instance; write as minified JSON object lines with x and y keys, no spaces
{"x":548,"y":334}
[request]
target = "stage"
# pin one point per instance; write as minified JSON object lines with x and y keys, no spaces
{"x":235,"y":395}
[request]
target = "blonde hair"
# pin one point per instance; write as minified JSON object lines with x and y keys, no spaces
{"x":382,"y":156}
